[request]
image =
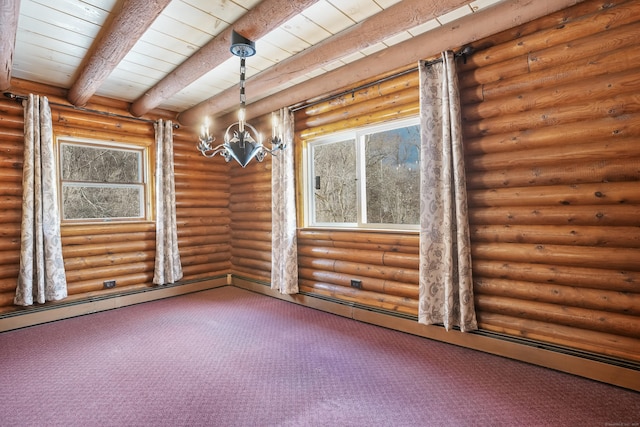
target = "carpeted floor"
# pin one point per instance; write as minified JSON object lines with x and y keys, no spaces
{"x":229,"y":357}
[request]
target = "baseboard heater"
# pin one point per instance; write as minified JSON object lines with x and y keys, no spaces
{"x":513,"y":339}
{"x":59,"y":310}
{"x":490,"y":334}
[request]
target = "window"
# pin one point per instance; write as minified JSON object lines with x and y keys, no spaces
{"x":368,"y":177}
{"x":102,"y":181}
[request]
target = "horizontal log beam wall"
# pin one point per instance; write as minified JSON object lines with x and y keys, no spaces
{"x":386,"y":264}
{"x":202,"y":209}
{"x":250,"y":206}
{"x":124,"y":252}
{"x":11,"y":146}
{"x":551,"y":126}
{"x":551,"y":131}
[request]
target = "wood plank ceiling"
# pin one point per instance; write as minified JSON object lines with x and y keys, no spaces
{"x":174,"y":54}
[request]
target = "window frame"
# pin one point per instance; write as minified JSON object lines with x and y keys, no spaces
{"x":146,"y":204}
{"x":308,"y":175}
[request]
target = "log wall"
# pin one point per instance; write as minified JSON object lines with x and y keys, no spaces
{"x":119,"y":251}
{"x":250,"y":206}
{"x":551,"y":117}
{"x":11,"y":147}
{"x":551,"y":128}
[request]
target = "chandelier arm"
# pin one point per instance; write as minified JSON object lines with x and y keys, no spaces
{"x":208,"y":151}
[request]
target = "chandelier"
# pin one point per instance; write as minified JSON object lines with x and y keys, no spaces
{"x":242,"y":141}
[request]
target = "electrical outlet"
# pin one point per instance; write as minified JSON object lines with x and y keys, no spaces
{"x":356,"y":283}
{"x":108,"y":284}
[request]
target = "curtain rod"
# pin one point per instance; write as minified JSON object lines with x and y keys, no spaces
{"x":346,"y":92}
{"x":87,"y":110}
{"x":464,"y":52}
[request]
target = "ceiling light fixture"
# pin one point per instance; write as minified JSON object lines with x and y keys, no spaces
{"x":242,"y":141}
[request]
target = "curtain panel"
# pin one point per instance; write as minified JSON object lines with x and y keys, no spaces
{"x":284,"y":257}
{"x":168,"y":268}
{"x":446,"y":286}
{"x":41,"y":276}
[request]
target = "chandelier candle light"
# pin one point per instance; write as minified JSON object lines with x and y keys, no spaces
{"x":242,"y":141}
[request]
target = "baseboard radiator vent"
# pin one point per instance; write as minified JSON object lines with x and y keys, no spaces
{"x":513,"y":339}
{"x":21,"y":311}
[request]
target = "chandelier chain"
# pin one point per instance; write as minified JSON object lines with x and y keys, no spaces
{"x":243,"y":97}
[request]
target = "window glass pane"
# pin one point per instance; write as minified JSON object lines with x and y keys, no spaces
{"x":334,"y":182}
{"x":93,"y":202}
{"x":101,"y":180}
{"x":99,"y":164}
{"x":393,"y":176}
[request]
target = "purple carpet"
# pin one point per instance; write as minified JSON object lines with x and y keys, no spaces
{"x":229,"y":357}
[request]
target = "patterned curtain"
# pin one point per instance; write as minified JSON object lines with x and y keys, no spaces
{"x":41,"y":277}
{"x":446,"y":287}
{"x":168,"y":268}
{"x":284,"y":242}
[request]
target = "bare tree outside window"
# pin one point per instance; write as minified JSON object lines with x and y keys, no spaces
{"x":393,"y":176}
{"x":335,"y":182}
{"x":370,"y":177}
{"x":100,"y":164}
{"x":86,"y":202}
{"x":100,"y":182}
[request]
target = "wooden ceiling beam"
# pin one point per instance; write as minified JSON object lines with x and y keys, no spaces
{"x":391,"y":21}
{"x":257,"y":22}
{"x":494,"y":19}
{"x":130,"y":22}
{"x":9,"y":12}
